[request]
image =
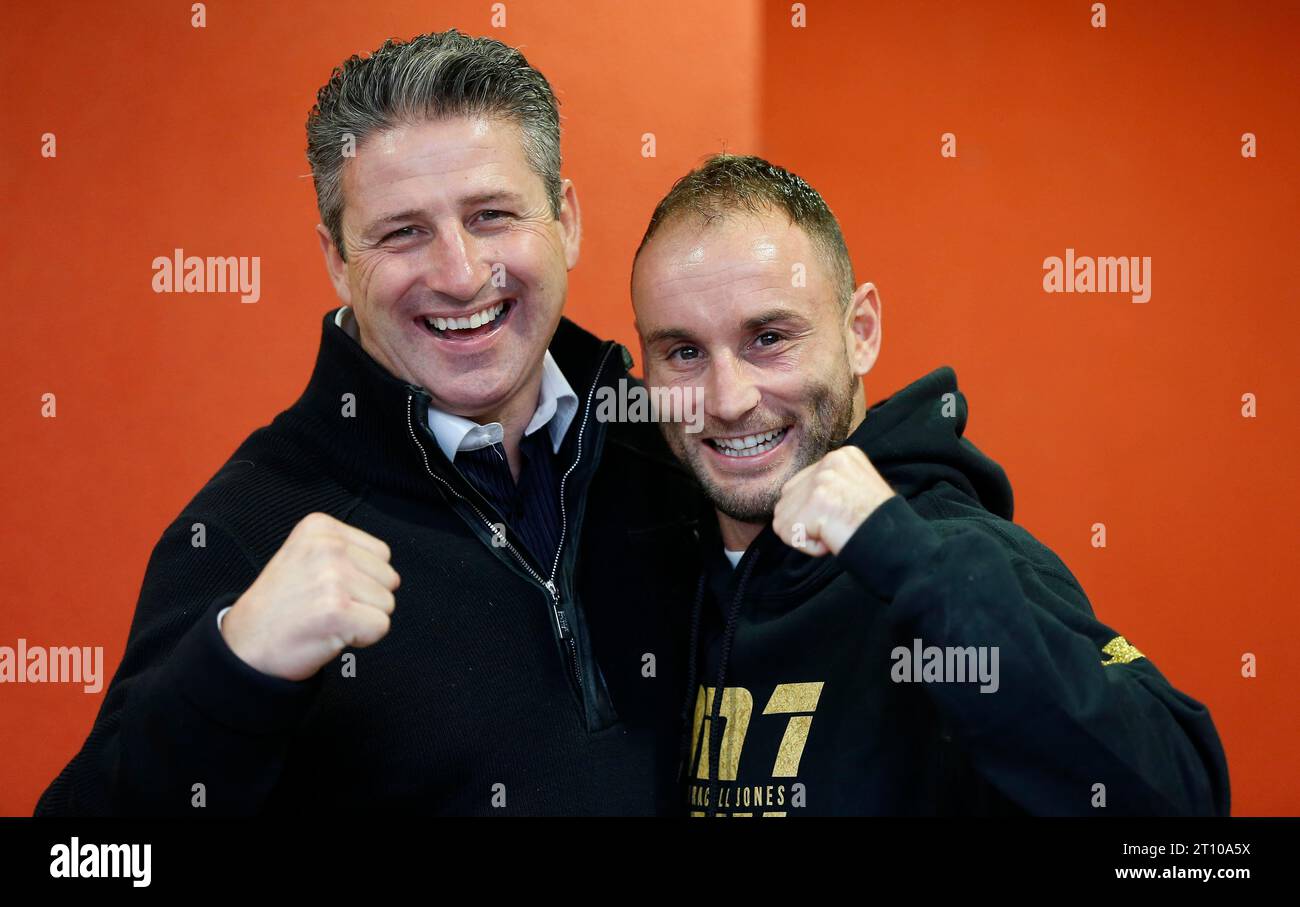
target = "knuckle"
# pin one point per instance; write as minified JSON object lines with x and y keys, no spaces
{"x":332,"y":545}
{"x":314,"y":522}
{"x":335,"y":623}
{"x":334,"y":600}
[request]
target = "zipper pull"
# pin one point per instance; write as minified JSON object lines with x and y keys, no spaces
{"x":561,"y":620}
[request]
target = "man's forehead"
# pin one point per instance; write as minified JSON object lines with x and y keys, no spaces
{"x":456,"y":149}
{"x":700,"y":254}
{"x":433,"y":147}
{"x":730,"y":237}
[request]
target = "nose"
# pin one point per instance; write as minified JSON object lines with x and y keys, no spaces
{"x":454,"y":268}
{"x":730,"y":391}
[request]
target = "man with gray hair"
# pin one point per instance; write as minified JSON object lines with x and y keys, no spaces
{"x":435,"y":583}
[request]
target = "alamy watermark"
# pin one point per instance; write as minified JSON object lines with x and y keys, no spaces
{"x":56,"y":664}
{"x":947,"y":664}
{"x":635,"y":402}
{"x":75,"y":860}
{"x":1105,"y":274}
{"x":183,"y":273}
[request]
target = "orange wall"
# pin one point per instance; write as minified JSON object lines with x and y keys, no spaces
{"x":1117,"y":141}
{"x":1123,"y":141}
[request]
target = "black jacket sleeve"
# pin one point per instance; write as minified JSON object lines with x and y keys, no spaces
{"x":1076,"y":704}
{"x":182,"y":709}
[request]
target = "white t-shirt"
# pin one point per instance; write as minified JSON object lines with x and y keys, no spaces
{"x":733,"y":556}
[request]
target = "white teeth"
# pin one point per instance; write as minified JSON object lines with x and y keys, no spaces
{"x":749,"y":445}
{"x":477,"y":320}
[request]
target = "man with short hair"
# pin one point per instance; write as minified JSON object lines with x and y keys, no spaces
{"x":436,"y":583}
{"x":872,"y":634}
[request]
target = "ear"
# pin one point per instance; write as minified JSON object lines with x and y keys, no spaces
{"x":864,"y":328}
{"x":334,"y":264}
{"x":570,"y":223}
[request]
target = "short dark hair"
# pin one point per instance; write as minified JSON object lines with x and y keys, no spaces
{"x":727,"y":183}
{"x":429,"y":77}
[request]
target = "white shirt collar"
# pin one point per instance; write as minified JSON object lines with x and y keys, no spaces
{"x":557,"y":404}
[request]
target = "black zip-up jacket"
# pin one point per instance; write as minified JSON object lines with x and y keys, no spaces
{"x":831,"y":706}
{"x":504,"y":686}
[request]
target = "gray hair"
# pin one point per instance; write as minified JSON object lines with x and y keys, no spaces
{"x":727,"y":183}
{"x":427,"y":78}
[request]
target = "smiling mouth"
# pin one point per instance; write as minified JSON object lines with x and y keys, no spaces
{"x":487,"y":320}
{"x":749,"y":445}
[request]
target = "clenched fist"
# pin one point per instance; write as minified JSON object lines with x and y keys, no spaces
{"x":823,"y":504}
{"x":329,"y":586}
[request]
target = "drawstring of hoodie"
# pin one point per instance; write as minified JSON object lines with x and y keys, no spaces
{"x":715,"y":713}
{"x":692,"y":675}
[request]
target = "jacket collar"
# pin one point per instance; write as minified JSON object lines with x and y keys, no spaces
{"x":362,"y":420}
{"x":555,"y":408}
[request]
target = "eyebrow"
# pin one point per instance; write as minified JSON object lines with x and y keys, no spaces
{"x":662,"y":334}
{"x":752,"y":324}
{"x":494,"y":195}
{"x":482,"y":198}
{"x":771,"y":315}
{"x":392,"y":218}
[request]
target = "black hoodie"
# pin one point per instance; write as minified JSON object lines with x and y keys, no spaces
{"x":841,"y":673}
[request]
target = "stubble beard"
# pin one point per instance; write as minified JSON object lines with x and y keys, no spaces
{"x":831,"y":417}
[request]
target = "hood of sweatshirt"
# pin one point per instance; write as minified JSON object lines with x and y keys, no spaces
{"x":916,"y":440}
